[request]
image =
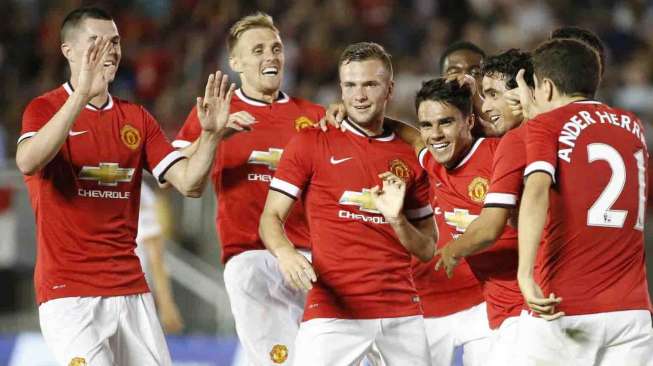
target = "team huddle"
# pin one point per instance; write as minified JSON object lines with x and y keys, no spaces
{"x":507,"y":220}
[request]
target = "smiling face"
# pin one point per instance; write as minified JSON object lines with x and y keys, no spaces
{"x":495,"y":105}
{"x":366,"y":88}
{"x":445,"y":131}
{"x":258,"y":58}
{"x":82,"y":36}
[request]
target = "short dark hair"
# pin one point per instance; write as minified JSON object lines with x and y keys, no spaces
{"x":507,"y":64}
{"x":363,"y":51}
{"x":571,"y":65}
{"x":583,"y":35}
{"x":75,"y":17}
{"x":457,"y":46}
{"x":448,"y":92}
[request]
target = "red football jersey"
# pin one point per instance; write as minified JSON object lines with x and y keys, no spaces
{"x":245,"y":164}
{"x":86,"y":199}
{"x":593,"y":256}
{"x":507,"y":181}
{"x":363,"y":271}
{"x":459,"y":195}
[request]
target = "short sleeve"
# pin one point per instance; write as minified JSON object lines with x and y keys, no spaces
{"x":159,"y":153}
{"x":418,"y":198}
{"x":189,"y":132}
{"x":541,"y":148}
{"x":507,"y":172}
{"x":296,"y":165}
{"x":37,"y":113}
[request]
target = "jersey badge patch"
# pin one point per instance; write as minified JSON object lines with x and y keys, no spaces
{"x":477,"y":189}
{"x":399,"y":168}
{"x":130,"y":136}
{"x":279,"y":353}
{"x":304,"y":122}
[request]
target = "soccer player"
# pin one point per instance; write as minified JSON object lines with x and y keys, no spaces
{"x":267,"y":310}
{"x":83,"y":152}
{"x":499,"y":206}
{"x":464,"y":58}
{"x":361,"y":289}
{"x":447,"y":302}
{"x":585,"y":194}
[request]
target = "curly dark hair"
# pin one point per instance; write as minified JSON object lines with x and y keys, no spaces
{"x":507,"y":64}
{"x":448,"y":92}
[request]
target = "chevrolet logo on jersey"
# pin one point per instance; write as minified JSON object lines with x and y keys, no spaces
{"x":361,"y":199}
{"x":459,"y":218}
{"x":270,"y":158}
{"x":107,"y":174}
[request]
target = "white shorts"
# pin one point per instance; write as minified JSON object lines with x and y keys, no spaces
{"x":467,"y":328}
{"x":613,"y":338}
{"x":267,"y":312}
{"x":503,"y":342}
{"x":345,"y":342}
{"x":104,"y":331}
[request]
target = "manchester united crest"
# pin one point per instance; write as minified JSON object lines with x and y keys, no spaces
{"x":304,"y":122}
{"x":130,"y":136}
{"x":77,"y":361}
{"x":279,"y":353}
{"x":400,"y":169}
{"x":477,"y":189}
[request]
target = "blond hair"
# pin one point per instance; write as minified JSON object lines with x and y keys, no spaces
{"x":256,"y":20}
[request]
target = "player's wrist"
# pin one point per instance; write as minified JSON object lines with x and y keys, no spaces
{"x":396,"y":220}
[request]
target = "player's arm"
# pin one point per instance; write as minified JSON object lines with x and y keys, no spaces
{"x":296,"y":269}
{"x":418,"y":239}
{"x":532,"y":217}
{"x":37,"y":151}
{"x":168,"y":311}
{"x":189,"y":176}
{"x":480,"y":234}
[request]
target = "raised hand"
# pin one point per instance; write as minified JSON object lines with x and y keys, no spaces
{"x":213,"y":108}
{"x":390,"y":198}
{"x":521,"y":100}
{"x":91,"y":80}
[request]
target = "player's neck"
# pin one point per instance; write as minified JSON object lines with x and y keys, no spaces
{"x":98,"y":100}
{"x":373,"y":128}
{"x":563,"y":100}
{"x":266,"y":97}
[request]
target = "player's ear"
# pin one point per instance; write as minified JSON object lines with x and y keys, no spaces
{"x":391,"y":88}
{"x":234,"y":63}
{"x":549,"y":88}
{"x":66,"y":51}
{"x":471,"y":121}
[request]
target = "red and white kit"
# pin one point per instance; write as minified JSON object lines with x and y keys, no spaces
{"x":593,"y":247}
{"x":364,"y":273}
{"x":242,"y":172}
{"x":86,"y":202}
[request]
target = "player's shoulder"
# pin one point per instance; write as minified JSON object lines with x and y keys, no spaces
{"x":50,"y":99}
{"x":305,"y":104}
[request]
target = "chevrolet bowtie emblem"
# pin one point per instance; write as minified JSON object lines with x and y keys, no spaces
{"x":270,"y":158}
{"x":107,"y":174}
{"x":361,"y":199}
{"x":459,"y":218}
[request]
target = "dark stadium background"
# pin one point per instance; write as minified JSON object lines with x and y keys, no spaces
{"x":170,"y":46}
